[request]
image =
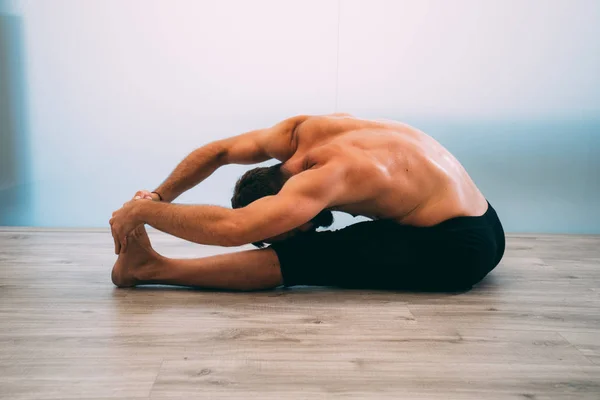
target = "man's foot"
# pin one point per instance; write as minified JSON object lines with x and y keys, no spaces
{"x":134,"y":266}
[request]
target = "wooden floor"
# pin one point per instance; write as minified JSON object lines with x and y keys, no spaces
{"x":531,"y":330}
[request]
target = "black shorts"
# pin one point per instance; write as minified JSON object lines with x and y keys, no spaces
{"x":451,"y":256}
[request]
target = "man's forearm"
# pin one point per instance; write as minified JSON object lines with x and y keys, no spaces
{"x":195,"y":168}
{"x":211,"y":225}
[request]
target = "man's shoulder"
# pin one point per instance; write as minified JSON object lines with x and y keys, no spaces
{"x":330,"y":123}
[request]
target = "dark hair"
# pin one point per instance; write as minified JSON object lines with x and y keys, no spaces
{"x":267,"y":181}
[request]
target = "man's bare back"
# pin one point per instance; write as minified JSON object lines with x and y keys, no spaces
{"x":392,"y":170}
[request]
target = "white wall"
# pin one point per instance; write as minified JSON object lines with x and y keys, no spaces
{"x":117,"y":92}
{"x":120,"y":91}
{"x":470,"y":58}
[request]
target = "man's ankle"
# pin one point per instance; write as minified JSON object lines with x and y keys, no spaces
{"x":149,"y":272}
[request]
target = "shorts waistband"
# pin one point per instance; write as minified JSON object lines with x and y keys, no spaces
{"x":471,"y":221}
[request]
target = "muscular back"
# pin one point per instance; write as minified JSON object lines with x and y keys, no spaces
{"x":392,"y":171}
{"x":379,"y":169}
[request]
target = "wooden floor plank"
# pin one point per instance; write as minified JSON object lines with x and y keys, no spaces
{"x":588,"y":343}
{"x":321,"y":378}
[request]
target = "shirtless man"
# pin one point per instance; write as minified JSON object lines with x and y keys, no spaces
{"x":431,"y":227}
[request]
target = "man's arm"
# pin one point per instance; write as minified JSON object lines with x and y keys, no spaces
{"x":301,"y":199}
{"x":249,"y":148}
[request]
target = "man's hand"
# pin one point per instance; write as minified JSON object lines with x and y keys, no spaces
{"x":122,"y":223}
{"x":146,"y":195}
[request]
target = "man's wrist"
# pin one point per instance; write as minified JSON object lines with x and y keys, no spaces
{"x":160,"y":198}
{"x":140,"y":209}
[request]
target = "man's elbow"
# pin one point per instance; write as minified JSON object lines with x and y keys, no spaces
{"x":232,"y":235}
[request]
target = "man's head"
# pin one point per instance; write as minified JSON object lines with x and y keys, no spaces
{"x":268,"y":181}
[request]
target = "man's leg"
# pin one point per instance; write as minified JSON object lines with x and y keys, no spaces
{"x":245,"y":270}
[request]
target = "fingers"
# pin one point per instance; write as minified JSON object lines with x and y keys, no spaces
{"x":117,"y":245}
{"x":141,"y":194}
{"x":145,"y":195}
{"x":119,"y":232}
{"x":124,"y":245}
{"x":143,"y":198}
{"x":114,"y":235}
